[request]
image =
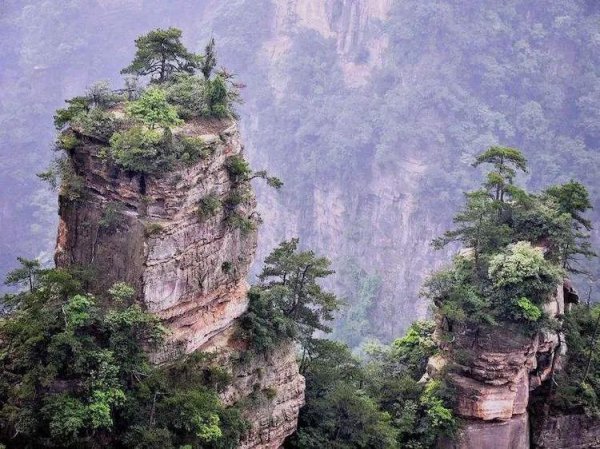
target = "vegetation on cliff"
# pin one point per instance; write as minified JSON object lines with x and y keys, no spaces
{"x":75,"y":373}
{"x":518,"y":247}
{"x":373,"y":402}
{"x":135,"y":124}
{"x":75,"y":369}
{"x":351,"y":403}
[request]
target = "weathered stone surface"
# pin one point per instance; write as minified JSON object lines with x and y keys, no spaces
{"x":191,"y":272}
{"x":490,"y":402}
{"x":510,"y":434}
{"x":495,"y":370}
{"x":568,"y":432}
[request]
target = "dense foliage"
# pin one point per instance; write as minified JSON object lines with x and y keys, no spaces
{"x":377,"y":403}
{"x":74,"y":373}
{"x":289,"y":303}
{"x":141,"y":140}
{"x":576,"y":388}
{"x":518,"y":246}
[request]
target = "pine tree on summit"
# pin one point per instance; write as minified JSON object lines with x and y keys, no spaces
{"x":161,"y":54}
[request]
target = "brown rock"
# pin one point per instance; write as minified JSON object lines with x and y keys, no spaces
{"x":191,"y":272}
{"x":510,"y":434}
{"x":568,"y":432}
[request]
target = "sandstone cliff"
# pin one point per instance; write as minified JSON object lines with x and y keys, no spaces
{"x":493,"y":373}
{"x":189,"y":271}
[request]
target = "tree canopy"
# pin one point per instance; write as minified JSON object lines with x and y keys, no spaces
{"x":74,"y":373}
{"x":289,"y":302}
{"x":515,"y":251}
{"x":160,"y":54}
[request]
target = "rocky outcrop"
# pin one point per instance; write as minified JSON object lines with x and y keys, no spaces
{"x":493,"y":371}
{"x":189,"y":270}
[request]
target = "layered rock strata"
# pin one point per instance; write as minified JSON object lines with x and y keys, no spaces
{"x":187,"y":269}
{"x":495,"y":369}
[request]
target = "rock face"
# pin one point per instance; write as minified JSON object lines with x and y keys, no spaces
{"x":496,"y":370}
{"x":188,"y":270}
{"x":568,"y":432}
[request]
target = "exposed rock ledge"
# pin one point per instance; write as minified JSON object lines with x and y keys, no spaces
{"x":497,"y":369}
{"x":189,"y":272}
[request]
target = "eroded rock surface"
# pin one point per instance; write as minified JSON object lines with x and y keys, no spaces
{"x":190,"y":271}
{"x":496,"y":368}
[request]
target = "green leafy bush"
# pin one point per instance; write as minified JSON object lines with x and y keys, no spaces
{"x":191,"y":149}
{"x":575,"y":388}
{"x":76,"y":106}
{"x":188,"y":94}
{"x":527,"y":310}
{"x":139,"y":150}
{"x":75,"y":372}
{"x":152,"y":109}
{"x":518,"y":245}
{"x":61,"y":173}
{"x":209,"y":206}
{"x":240,"y":222}
{"x":67,"y":141}
{"x":238,"y":168}
{"x":96,"y":123}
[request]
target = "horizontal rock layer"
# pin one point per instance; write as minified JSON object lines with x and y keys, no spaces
{"x":189,"y":271}
{"x":495,"y":369}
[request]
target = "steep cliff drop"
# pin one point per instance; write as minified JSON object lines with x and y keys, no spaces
{"x":494,"y":373}
{"x":188,"y":270}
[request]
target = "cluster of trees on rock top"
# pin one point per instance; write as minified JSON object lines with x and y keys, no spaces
{"x":135,"y":126}
{"x":142,"y":140}
{"x":519,"y":247}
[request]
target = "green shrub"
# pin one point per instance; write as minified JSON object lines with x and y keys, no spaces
{"x":76,"y":106}
{"x":525,"y":309}
{"x":440,"y":417}
{"x":188,"y":94}
{"x":151,"y":229}
{"x":67,"y":141}
{"x":139,"y":150}
{"x":96,"y":123}
{"x":238,"y":168}
{"x":209,"y":206}
{"x":61,"y":173}
{"x":153,"y":110}
{"x":112,"y":216}
{"x":191,"y":149}
{"x":244,"y":224}
{"x":236,"y":197}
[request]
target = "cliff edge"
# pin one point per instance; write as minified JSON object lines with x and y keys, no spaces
{"x":188,"y":268}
